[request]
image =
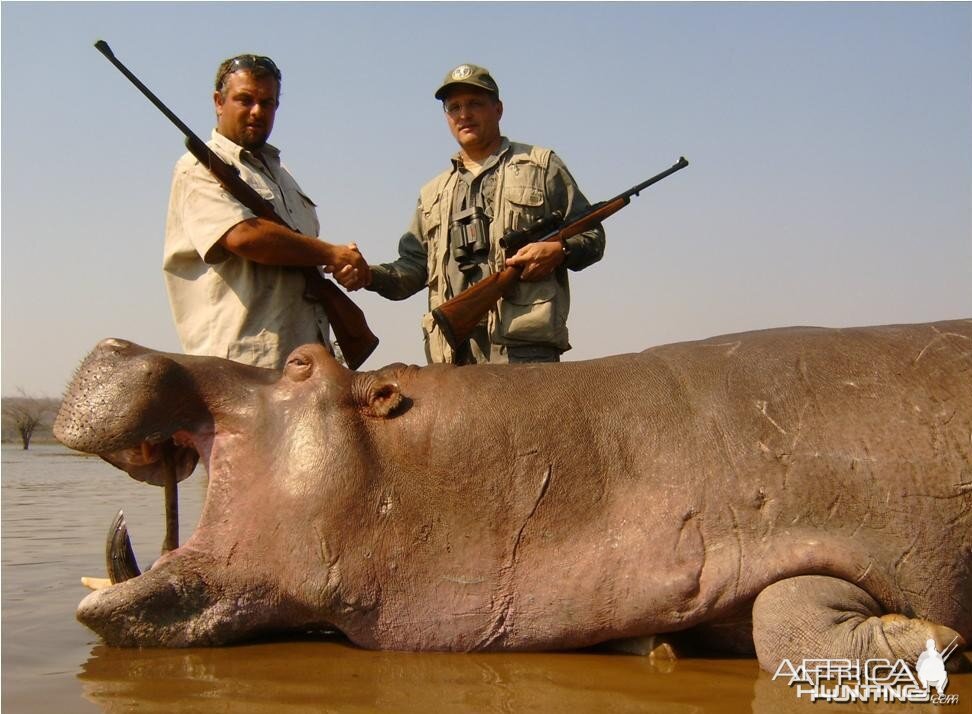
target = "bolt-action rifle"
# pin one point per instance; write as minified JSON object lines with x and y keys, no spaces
{"x":351,"y":330}
{"x":458,"y":317}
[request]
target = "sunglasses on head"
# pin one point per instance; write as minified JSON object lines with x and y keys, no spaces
{"x":250,"y":62}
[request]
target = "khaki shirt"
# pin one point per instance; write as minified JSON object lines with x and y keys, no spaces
{"x":223,"y":305}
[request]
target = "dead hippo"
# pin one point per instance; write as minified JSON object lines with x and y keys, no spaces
{"x":799,"y":492}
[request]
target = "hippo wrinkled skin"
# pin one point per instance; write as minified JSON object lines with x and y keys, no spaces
{"x":796,"y":492}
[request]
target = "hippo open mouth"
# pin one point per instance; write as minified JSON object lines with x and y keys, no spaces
{"x":154,"y":445}
{"x":113,"y":408}
{"x":157,"y":463}
{"x":166,"y":464}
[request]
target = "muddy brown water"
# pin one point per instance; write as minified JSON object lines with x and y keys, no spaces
{"x":56,"y":509}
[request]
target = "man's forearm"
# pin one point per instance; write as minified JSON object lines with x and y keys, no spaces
{"x":396,"y":284}
{"x":585,"y":248}
{"x":263,"y":241}
{"x":269,"y":243}
{"x":404,"y":277}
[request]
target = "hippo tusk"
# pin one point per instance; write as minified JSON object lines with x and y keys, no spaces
{"x":95,"y":583}
{"x":119,"y":555}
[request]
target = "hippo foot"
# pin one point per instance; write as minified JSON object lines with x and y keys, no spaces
{"x":814,"y":616}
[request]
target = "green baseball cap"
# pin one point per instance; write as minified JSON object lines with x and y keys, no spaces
{"x":471,"y":75}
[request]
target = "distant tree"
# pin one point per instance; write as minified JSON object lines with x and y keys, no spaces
{"x":25,"y":414}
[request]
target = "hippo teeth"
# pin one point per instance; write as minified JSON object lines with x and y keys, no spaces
{"x":119,"y":555}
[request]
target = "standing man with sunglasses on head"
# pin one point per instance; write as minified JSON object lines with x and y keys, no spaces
{"x":231,"y":278}
{"x":493,"y":186}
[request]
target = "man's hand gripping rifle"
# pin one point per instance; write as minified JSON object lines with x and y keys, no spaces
{"x":458,"y":317}
{"x":351,"y":330}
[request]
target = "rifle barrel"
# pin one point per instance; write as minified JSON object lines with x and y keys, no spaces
{"x":677,"y":166}
{"x":104,"y":49}
{"x":458,"y":316}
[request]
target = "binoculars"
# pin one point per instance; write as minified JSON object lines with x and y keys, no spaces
{"x":469,"y":237}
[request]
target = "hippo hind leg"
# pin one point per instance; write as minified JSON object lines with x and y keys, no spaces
{"x":819,"y":617}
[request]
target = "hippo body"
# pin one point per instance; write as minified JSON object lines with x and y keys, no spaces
{"x":804,"y":492}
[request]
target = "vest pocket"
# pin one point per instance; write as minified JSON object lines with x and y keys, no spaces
{"x":431,"y":229}
{"x":526,"y":205}
{"x":437,"y":348}
{"x":528,"y":314}
{"x":430,"y":217}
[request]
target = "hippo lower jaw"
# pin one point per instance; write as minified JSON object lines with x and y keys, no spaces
{"x":189,"y":599}
{"x":179,"y":603}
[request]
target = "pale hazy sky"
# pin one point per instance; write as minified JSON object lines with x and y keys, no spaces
{"x":830,"y":147}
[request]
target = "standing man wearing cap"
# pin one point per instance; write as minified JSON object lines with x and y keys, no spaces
{"x":231,"y":278}
{"x":492,"y":186}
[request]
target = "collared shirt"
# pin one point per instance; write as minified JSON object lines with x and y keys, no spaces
{"x":223,"y":305}
{"x":474,"y":187}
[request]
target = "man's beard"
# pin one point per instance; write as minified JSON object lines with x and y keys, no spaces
{"x":253,"y":140}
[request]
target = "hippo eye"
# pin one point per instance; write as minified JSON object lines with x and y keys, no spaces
{"x":299,"y":367}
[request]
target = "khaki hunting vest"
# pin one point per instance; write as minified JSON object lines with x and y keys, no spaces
{"x":535,"y":312}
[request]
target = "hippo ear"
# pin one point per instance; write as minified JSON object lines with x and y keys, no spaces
{"x":379,"y":394}
{"x":383,"y":399}
{"x":378,"y":397}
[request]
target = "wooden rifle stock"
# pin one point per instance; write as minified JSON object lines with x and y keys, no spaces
{"x":351,"y":330}
{"x":458,"y":317}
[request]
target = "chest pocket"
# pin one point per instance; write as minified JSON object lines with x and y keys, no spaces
{"x":308,"y":211}
{"x":256,"y":180}
{"x":431,"y":215}
{"x":525,"y":204}
{"x":431,"y":207}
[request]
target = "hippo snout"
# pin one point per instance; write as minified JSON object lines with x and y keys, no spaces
{"x":111,"y":404}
